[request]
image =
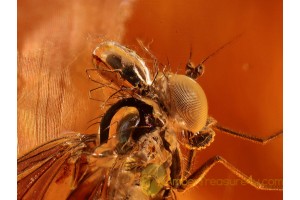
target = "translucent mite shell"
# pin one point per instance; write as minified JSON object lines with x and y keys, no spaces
{"x":124,"y":60}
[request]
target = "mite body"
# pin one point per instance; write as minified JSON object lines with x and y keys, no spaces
{"x":141,"y":159}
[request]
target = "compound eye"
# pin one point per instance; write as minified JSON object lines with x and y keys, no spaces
{"x":188,"y":101}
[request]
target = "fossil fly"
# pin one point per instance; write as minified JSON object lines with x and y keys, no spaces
{"x":141,"y":158}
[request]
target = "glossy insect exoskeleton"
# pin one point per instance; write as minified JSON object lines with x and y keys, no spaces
{"x":141,"y":158}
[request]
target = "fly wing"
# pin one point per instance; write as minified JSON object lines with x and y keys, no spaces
{"x":64,"y":168}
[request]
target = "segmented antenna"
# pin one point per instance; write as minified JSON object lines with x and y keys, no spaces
{"x":196,"y":71}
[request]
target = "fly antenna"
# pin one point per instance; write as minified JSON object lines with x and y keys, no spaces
{"x":220,"y":48}
{"x":196,"y":71}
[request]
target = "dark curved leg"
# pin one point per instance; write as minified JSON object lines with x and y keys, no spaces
{"x":146,"y":117}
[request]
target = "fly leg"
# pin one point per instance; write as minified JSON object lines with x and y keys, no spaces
{"x":201,"y":172}
{"x":250,"y":138}
{"x":190,"y":162}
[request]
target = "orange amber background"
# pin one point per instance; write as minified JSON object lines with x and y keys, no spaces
{"x":243,"y":82}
